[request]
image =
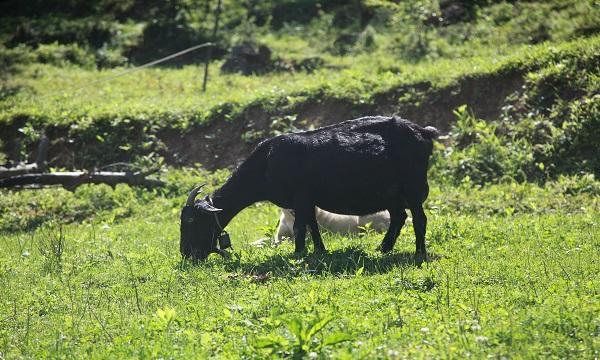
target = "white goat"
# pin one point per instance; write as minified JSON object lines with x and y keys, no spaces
{"x":334,"y":223}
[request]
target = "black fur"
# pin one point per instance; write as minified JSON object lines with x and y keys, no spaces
{"x":355,"y":167}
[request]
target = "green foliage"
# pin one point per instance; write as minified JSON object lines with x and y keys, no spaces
{"x":558,"y":113}
{"x":61,"y":55}
{"x":547,"y":129}
{"x":11,"y":57}
{"x":91,"y":31}
{"x":413,"y":31}
{"x":301,"y":339}
{"x":478,"y":154}
{"x":282,"y":125}
{"x":116,"y":139}
{"x":578,"y":146}
{"x":482,"y":152}
{"x":500,"y":255}
{"x":28,"y":209}
{"x":567,"y":194}
{"x":2,"y":155}
{"x":23,"y":210}
{"x":504,"y":251}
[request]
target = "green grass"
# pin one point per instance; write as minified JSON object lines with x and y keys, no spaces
{"x":502,"y":283}
{"x":514,"y":268}
{"x":173,"y":98}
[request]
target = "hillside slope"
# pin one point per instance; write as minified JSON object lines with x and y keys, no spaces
{"x":419,"y":60}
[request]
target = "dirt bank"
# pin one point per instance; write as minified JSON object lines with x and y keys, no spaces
{"x":223,"y":143}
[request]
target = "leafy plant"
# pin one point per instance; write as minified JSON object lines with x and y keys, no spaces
{"x":2,"y":155}
{"x":366,"y":229}
{"x":251,"y":136}
{"x":282,"y":125}
{"x":51,"y":245}
{"x":301,"y":337}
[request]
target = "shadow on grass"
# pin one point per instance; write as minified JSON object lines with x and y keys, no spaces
{"x":349,"y":261}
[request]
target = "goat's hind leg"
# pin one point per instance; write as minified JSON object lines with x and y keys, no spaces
{"x":305,"y":216}
{"x":314,"y":232}
{"x":397,"y":219}
{"x":299,"y":232}
{"x":420,"y":226}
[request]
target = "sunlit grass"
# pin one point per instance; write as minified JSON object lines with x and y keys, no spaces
{"x":174,"y":96}
{"x":523,"y":285}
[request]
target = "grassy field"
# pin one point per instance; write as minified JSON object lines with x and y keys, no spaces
{"x":50,"y":95}
{"x":514,"y":272}
{"x":514,"y":209}
{"x":46,"y":86}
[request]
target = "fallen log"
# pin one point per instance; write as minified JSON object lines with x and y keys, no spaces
{"x":17,"y":170}
{"x":72,"y":179}
{"x":39,"y":166}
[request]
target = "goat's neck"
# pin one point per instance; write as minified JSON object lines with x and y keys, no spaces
{"x":236,"y":194}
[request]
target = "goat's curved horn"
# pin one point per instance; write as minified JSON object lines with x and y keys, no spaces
{"x":193,"y":194}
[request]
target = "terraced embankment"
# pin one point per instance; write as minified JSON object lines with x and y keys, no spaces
{"x":222,"y":135}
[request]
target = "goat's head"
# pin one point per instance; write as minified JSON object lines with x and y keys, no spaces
{"x":200,"y":228}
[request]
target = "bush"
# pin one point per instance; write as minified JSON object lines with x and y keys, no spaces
{"x":11,"y":57}
{"x":533,"y":149}
{"x":578,"y":146}
{"x":89,"y":31}
{"x":2,"y":155}
{"x":61,"y":55}
{"x":478,"y":154}
{"x":27,"y":209}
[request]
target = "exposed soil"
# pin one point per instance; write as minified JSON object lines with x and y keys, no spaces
{"x":220,"y":143}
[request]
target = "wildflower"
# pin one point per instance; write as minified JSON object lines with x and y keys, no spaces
{"x":481,"y":339}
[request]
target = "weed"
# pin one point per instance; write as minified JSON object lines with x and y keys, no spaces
{"x":51,"y":245}
{"x":301,"y":337}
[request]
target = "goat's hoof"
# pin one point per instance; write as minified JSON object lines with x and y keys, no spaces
{"x":300,"y":253}
{"x":420,"y":258}
{"x":385,"y":248}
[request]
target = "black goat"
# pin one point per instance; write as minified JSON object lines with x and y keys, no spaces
{"x":356,"y":167}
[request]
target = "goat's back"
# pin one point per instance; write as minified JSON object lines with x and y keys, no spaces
{"x":355,"y":167}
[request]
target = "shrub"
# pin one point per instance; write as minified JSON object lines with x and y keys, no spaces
{"x":480,"y":154}
{"x":89,"y":31}
{"x":61,"y":55}
{"x":577,"y":147}
{"x":2,"y":155}
{"x":11,"y":57}
{"x":533,"y":149}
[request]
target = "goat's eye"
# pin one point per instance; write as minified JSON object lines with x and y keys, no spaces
{"x":189,"y":220}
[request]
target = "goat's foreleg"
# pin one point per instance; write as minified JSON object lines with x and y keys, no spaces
{"x":397,"y":219}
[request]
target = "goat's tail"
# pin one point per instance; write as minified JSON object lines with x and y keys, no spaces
{"x":429,"y":132}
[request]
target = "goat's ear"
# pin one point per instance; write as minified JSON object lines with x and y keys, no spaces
{"x":205,"y":207}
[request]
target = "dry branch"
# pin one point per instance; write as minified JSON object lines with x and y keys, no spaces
{"x":72,"y":179}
